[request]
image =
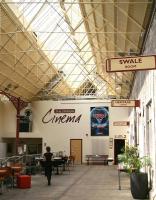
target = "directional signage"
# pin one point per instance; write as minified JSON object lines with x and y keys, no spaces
{"x":121,"y":123}
{"x":131,"y":63}
{"x":125,"y":103}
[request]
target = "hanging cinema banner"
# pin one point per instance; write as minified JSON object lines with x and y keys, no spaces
{"x":125,"y":103}
{"x":131,"y":63}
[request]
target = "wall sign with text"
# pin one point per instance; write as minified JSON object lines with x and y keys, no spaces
{"x":120,"y":137}
{"x":125,"y":103}
{"x":131,"y":63}
{"x":64,"y":110}
{"x":61,"y":116}
{"x":121,"y":123}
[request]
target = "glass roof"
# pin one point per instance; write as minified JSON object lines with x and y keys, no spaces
{"x":61,"y":34}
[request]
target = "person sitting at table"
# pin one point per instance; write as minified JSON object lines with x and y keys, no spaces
{"x":48,"y":164}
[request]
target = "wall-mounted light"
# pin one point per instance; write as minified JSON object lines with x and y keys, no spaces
{"x":3,"y":98}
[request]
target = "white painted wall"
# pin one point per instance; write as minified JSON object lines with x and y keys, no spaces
{"x":146,"y":94}
{"x":58,"y":135}
{"x":9,"y":119}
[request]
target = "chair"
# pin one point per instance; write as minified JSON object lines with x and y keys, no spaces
{"x":5,"y":177}
{"x":72,"y":158}
{"x":9,"y":177}
{"x":68,"y":164}
{"x":58,"y":165}
{"x":16,"y":169}
{"x":3,"y":172}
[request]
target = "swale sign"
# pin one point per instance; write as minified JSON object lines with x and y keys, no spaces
{"x":131,"y":63}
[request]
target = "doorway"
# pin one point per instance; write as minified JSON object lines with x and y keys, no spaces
{"x":119,"y":145}
{"x":76,"y":150}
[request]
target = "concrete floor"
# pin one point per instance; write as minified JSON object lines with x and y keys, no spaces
{"x":93,"y":182}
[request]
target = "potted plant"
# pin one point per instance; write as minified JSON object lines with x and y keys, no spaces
{"x":133,"y":165}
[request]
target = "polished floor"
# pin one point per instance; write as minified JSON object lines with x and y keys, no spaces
{"x":93,"y":182}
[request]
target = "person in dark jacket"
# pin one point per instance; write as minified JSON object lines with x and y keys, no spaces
{"x":48,"y":164}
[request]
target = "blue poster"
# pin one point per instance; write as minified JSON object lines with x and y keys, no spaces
{"x":99,"y":121}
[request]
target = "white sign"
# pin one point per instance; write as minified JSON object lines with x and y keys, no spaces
{"x":131,"y":63}
{"x":121,"y":123}
{"x":125,"y":103}
{"x":120,"y":136}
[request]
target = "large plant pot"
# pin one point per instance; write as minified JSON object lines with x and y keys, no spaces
{"x":139,"y":185}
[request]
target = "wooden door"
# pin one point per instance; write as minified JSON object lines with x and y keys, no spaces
{"x":76,"y":150}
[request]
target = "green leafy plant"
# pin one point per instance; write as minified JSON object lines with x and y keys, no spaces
{"x":131,"y":160}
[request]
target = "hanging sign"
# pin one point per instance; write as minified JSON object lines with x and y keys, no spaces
{"x":121,"y":123}
{"x":131,"y":63}
{"x":125,"y":103}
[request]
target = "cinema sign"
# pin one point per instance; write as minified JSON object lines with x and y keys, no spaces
{"x":131,"y":63}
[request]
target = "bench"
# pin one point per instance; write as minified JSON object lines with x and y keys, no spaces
{"x":97,"y":159}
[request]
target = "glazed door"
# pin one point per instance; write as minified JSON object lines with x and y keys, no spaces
{"x":76,"y":150}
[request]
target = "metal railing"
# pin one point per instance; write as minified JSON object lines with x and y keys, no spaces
{"x":24,"y":159}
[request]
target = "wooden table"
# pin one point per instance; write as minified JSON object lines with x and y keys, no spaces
{"x":3,"y":172}
{"x":15,"y":169}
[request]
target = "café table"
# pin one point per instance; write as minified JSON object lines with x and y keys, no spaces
{"x":58,"y":161}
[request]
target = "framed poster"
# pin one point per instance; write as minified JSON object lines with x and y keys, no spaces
{"x":99,"y":121}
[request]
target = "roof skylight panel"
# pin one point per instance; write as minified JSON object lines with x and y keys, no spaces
{"x":61,"y":53}
{"x":63,"y":58}
{"x":77,"y":70}
{"x":46,"y":19}
{"x":74,"y":13}
{"x":79,"y":78}
{"x":71,"y":59}
{"x":90,"y":67}
{"x":40,"y":19}
{"x":76,"y":80}
{"x":74,"y":77}
{"x":55,"y":42}
{"x":68,"y":69}
{"x":83,"y":40}
{"x":30,"y":10}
